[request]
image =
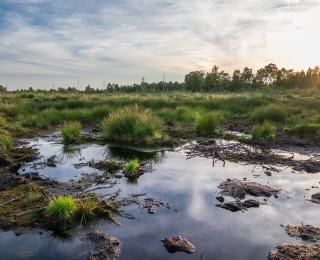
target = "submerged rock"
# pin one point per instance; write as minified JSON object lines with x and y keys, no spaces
{"x":106,"y":247}
{"x":177,"y":243}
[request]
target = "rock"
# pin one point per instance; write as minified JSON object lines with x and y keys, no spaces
{"x":15,"y":167}
{"x":220,"y":198}
{"x":177,"y":243}
{"x":106,"y":247}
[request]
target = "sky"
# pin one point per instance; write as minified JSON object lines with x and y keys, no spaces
{"x":73,"y":43}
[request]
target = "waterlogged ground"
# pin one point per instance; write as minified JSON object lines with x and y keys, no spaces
{"x":190,"y":187}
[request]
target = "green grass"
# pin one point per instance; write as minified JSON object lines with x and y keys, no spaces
{"x":304,"y":128}
{"x":131,"y":122}
{"x":62,"y":208}
{"x":6,"y":142}
{"x":131,"y":166}
{"x":70,"y":131}
{"x":263,"y":132}
{"x":208,"y":122}
{"x":272,"y":113}
{"x":135,"y":116}
{"x":27,"y":95}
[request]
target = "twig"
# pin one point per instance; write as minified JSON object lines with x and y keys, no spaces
{"x":29,"y":212}
{"x":99,"y":188}
{"x":203,"y":253}
{"x":10,"y":201}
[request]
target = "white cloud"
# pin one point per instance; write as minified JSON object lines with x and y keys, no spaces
{"x":120,"y":41}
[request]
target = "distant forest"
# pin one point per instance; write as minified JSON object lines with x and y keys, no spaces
{"x":215,"y":81}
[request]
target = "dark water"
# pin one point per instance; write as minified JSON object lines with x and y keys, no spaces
{"x":190,"y":187}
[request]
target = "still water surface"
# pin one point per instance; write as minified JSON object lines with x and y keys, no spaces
{"x":190,"y":187}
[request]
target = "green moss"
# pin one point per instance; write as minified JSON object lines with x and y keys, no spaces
{"x":30,"y":197}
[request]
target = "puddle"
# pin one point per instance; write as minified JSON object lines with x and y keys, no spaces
{"x":190,"y":187}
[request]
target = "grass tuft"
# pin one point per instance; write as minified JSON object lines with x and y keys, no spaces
{"x":62,"y":208}
{"x":263,"y":132}
{"x":131,"y":122}
{"x":208,"y":122}
{"x":131,"y":166}
{"x":6,"y":142}
{"x":70,"y":131}
{"x":272,"y":113}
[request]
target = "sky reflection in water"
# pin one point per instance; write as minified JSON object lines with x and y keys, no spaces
{"x":190,"y":187}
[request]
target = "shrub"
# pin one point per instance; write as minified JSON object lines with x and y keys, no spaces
{"x":272,"y":113}
{"x":208,"y":122}
{"x":131,"y":122}
{"x":70,"y":131}
{"x":264,"y":131}
{"x":6,"y":142}
{"x":27,"y":95}
{"x":62,"y":208}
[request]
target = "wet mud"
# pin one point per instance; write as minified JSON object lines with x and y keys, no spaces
{"x":315,"y":198}
{"x":177,"y":243}
{"x":310,"y":249}
{"x":239,"y":189}
{"x":106,"y":247}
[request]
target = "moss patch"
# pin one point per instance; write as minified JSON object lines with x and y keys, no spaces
{"x":27,"y":197}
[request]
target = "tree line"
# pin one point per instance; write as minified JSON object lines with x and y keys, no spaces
{"x":215,"y":81}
